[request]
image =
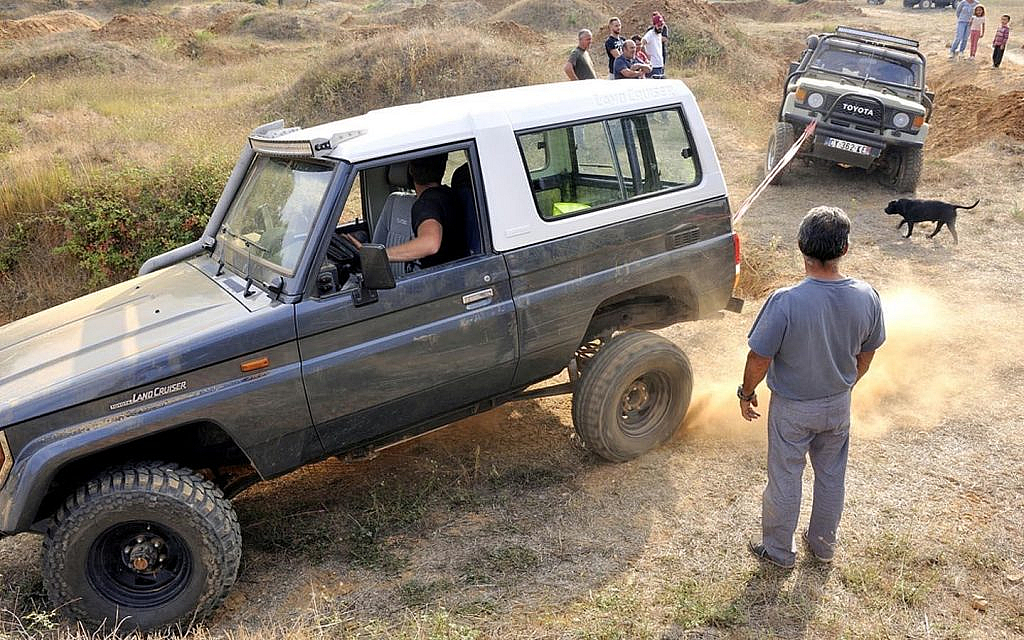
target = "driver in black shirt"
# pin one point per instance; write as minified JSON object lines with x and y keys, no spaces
{"x":440,"y":235}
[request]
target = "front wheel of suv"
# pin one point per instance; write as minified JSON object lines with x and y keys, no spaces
{"x":909,"y":170}
{"x":632,"y":396}
{"x":142,"y":547}
{"x":782,"y":139}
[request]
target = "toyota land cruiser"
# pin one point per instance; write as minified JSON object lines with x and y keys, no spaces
{"x":866,"y":93}
{"x":588,"y":211}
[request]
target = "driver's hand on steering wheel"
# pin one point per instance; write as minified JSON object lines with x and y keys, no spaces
{"x":353,"y":240}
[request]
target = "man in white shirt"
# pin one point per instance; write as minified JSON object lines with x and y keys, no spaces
{"x":653,"y":43}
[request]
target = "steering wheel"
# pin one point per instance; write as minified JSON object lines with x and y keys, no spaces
{"x":342,"y":251}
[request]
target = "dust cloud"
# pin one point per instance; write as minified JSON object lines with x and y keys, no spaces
{"x":935,"y":353}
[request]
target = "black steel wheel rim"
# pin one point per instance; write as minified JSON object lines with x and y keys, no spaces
{"x":644,"y":404}
{"x":139,"y":565}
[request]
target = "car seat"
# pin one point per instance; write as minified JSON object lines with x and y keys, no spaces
{"x":462,"y":185}
{"x":395,"y":223}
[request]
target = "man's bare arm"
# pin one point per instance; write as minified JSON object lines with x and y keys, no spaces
{"x":863,"y":363}
{"x":753,"y":373}
{"x":426,"y":243}
{"x":569,"y":71}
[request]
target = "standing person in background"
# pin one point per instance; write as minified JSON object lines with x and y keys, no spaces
{"x":579,"y":66}
{"x":964,"y":11}
{"x":999,"y":42}
{"x":613,"y":45}
{"x":814,"y":340}
{"x":654,"y":42}
{"x":977,"y":28}
{"x":641,"y":55}
{"x":626,"y":66}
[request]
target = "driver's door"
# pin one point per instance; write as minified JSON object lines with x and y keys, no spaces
{"x":443,"y":340}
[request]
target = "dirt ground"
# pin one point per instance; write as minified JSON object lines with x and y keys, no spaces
{"x":501,"y":526}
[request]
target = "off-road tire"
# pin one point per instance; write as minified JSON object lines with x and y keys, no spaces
{"x":87,"y":576}
{"x":783,"y":137}
{"x":909,"y":171}
{"x":633,"y":396}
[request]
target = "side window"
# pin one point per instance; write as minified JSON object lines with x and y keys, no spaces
{"x":379,"y":208}
{"x":667,"y":158}
{"x":597,"y":164}
{"x":535,"y":151}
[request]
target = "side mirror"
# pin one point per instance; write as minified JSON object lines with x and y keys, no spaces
{"x":376,"y":274}
{"x":376,"y":268}
{"x":793,"y":66}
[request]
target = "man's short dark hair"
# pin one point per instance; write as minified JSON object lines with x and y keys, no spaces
{"x":428,"y":169}
{"x":824,"y":233}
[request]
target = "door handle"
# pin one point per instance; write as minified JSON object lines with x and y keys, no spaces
{"x":477,"y":296}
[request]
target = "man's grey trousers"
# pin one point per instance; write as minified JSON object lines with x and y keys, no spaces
{"x":798,"y":428}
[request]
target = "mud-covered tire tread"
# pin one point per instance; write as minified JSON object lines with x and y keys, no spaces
{"x":125,"y":486}
{"x":911,"y":165}
{"x":605,"y":374}
{"x":783,"y":137}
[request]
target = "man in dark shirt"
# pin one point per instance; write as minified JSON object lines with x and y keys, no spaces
{"x":613,"y":45}
{"x":579,"y":66}
{"x":440,"y":233}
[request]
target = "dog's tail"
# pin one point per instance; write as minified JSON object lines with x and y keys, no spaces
{"x":960,"y":206}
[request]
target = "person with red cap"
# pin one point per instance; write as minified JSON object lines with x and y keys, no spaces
{"x":654,"y":43}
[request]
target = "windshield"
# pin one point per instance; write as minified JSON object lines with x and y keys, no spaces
{"x":271,"y":217}
{"x":868,"y":65}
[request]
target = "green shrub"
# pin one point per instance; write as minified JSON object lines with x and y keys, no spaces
{"x":13,"y":242}
{"x":117,"y":220}
{"x":694,"y":47}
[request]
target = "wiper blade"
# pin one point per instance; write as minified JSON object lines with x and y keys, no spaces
{"x":249,"y":245}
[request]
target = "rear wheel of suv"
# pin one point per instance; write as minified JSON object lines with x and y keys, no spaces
{"x":909,"y":171}
{"x":142,"y":547}
{"x":632,"y":396}
{"x":782,"y":139}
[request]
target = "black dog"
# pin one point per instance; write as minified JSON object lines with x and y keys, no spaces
{"x":937,"y":211}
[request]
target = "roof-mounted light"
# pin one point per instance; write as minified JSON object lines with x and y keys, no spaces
{"x":269,"y":143}
{"x":874,"y":36}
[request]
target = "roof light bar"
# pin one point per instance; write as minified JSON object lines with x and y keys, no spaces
{"x":269,"y":144}
{"x":874,"y":36}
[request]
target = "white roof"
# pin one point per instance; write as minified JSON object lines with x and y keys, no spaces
{"x":402,"y":128}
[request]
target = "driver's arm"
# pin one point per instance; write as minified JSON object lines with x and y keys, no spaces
{"x":426,"y":243}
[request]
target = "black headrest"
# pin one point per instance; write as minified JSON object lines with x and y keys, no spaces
{"x":461,"y":177}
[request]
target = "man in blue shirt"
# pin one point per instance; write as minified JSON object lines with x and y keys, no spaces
{"x":626,"y":65}
{"x":814,"y":340}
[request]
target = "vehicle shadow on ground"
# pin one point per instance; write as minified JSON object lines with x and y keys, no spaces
{"x":503,"y":507}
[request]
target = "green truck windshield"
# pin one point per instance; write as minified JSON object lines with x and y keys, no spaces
{"x":271,"y":218}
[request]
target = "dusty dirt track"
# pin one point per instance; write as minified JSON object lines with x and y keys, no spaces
{"x":500,"y":527}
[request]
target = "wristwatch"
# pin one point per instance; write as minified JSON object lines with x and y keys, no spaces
{"x":742,"y":396}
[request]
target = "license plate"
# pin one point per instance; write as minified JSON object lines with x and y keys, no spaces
{"x":852,"y":147}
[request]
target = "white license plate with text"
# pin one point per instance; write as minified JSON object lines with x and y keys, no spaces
{"x":852,"y":147}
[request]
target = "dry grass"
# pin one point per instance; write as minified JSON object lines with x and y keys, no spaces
{"x":419,"y":66}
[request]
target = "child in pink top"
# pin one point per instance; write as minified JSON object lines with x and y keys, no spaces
{"x":977,"y":28}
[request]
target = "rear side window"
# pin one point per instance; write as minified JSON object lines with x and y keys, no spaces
{"x":597,"y":164}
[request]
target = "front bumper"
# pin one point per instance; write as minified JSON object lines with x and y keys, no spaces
{"x":897,"y":138}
